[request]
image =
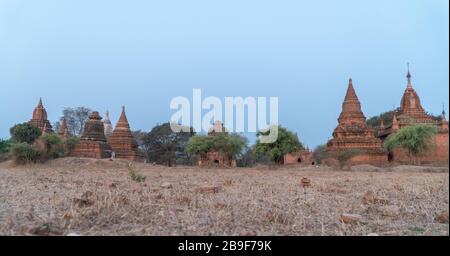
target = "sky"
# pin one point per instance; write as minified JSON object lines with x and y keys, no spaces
{"x":104,"y":54}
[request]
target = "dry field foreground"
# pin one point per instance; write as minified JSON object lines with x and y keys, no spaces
{"x":73,"y":196}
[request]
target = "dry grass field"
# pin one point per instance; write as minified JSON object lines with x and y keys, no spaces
{"x":73,"y":196}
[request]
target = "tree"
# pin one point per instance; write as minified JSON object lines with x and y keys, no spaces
{"x":164,"y":146}
{"x":286,"y":142}
{"x":139,"y":137}
{"x":416,"y":139}
{"x":5,"y":145}
{"x":229,"y":144}
{"x":75,"y":118}
{"x":53,"y":145}
{"x":319,"y":153}
{"x":26,"y":133}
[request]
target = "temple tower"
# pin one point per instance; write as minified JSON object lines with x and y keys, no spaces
{"x":39,"y":118}
{"x":122,"y":141}
{"x":353,"y":133}
{"x":63,"y":129}
{"x":93,"y":141}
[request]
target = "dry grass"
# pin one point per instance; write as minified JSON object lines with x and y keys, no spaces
{"x":98,"y":197}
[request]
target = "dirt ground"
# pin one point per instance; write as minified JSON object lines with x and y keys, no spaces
{"x":73,"y":196}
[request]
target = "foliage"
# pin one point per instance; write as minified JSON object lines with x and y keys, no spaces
{"x":319,"y":153}
{"x":53,"y":145}
{"x":164,"y":146}
{"x":25,"y":133}
{"x":24,"y":153}
{"x":75,"y":119}
{"x":70,"y":143}
{"x":286,"y":142}
{"x":135,"y":176}
{"x":229,"y":144}
{"x":5,"y":145}
{"x":139,"y":137}
{"x":416,"y":139}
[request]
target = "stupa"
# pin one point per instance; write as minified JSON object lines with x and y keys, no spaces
{"x":352,"y":133}
{"x":411,"y":112}
{"x":107,"y":125}
{"x":63,"y":129}
{"x":39,"y":118}
{"x":122,"y":141}
{"x":93,"y":141}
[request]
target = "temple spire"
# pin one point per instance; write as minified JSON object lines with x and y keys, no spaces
{"x":408,"y":76}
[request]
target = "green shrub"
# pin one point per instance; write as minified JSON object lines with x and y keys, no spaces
{"x":135,"y":176}
{"x":24,"y":153}
{"x":69,"y":144}
{"x":53,"y":145}
{"x":5,"y":145}
{"x":25,"y":133}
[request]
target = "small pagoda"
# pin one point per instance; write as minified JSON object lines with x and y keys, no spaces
{"x":63,"y":129}
{"x":93,"y":141}
{"x":122,"y":141}
{"x":39,"y":118}
{"x":352,"y":133}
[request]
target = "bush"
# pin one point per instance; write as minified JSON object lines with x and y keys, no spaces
{"x":69,"y":144}
{"x":25,"y":133}
{"x":135,"y":176}
{"x":286,"y":142}
{"x":5,"y":145}
{"x":416,"y":139}
{"x":24,"y":153}
{"x":320,"y":153}
{"x":229,"y":144}
{"x":53,"y":146}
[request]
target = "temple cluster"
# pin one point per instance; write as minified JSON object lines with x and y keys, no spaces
{"x":353,"y":141}
{"x":99,"y":139}
{"x":365,"y":146}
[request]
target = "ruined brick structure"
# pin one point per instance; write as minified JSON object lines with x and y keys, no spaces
{"x":93,"y":141}
{"x":412,"y":112}
{"x":122,"y":141}
{"x":353,"y":134}
{"x":303,"y":157}
{"x":63,"y":129}
{"x":40,"y":120}
{"x":215,"y":158}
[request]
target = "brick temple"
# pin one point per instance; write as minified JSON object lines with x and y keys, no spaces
{"x":352,"y":133}
{"x":303,"y":157}
{"x":63,"y":129}
{"x":93,"y":141}
{"x":122,"y":141}
{"x":40,"y":120}
{"x":214,"y":158}
{"x":412,"y":112}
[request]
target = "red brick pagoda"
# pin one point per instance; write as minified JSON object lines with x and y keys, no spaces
{"x":411,"y":112}
{"x":122,"y":141}
{"x":39,"y":118}
{"x":93,"y":142}
{"x":352,"y":133}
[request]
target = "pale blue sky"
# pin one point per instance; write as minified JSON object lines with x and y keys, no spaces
{"x":104,"y":54}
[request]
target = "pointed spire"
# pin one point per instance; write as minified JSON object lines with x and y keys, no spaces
{"x":408,"y":76}
{"x":123,"y":121}
{"x":40,"y":102}
{"x":381,"y":124}
{"x":351,"y":94}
